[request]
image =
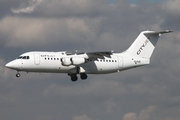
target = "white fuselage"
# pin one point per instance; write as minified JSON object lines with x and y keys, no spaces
{"x":50,"y":62}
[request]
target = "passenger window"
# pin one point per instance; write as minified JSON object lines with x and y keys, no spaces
{"x":28,"y":57}
{"x":57,"y":58}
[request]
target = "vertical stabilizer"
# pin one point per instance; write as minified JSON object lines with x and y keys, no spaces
{"x":144,"y":44}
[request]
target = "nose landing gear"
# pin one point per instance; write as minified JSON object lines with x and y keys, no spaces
{"x":18,"y":75}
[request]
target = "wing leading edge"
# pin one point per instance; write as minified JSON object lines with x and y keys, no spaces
{"x":93,"y":55}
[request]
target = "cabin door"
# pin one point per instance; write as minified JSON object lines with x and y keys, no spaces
{"x":120,"y":62}
{"x":36,"y":59}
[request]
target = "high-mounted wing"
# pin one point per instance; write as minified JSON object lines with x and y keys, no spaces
{"x":93,"y":55}
{"x":101,"y":55}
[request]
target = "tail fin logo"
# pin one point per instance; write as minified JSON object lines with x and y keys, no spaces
{"x":142,"y":47}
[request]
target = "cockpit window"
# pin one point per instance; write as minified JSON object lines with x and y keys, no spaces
{"x":20,"y":57}
{"x":24,"y":57}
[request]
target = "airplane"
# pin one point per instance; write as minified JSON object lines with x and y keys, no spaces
{"x":83,"y":63}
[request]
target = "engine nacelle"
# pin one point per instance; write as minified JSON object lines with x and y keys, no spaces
{"x":67,"y":61}
{"x":78,"y":60}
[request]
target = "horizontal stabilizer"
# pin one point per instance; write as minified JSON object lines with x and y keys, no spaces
{"x":155,"y":33}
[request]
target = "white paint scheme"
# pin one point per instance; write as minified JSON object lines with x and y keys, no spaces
{"x":138,"y":54}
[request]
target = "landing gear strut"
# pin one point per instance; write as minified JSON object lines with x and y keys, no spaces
{"x":18,"y":75}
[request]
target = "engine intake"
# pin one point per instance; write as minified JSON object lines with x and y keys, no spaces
{"x":67,"y":61}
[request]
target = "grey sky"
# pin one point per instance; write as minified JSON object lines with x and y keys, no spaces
{"x":147,"y":93}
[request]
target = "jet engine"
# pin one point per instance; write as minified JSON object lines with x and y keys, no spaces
{"x":67,"y":61}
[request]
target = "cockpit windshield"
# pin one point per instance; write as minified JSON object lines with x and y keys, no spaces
{"x":23,"y":57}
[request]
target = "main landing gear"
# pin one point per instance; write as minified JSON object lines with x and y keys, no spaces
{"x":83,"y":76}
{"x":74,"y":77}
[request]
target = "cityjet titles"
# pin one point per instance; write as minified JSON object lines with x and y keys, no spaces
{"x":48,"y":56}
{"x":142,"y":47}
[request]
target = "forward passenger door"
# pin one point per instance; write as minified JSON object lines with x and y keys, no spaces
{"x":36,"y":58}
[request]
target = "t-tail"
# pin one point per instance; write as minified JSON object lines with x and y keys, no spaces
{"x":144,"y":44}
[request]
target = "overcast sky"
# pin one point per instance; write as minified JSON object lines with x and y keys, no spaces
{"x":146,"y":93}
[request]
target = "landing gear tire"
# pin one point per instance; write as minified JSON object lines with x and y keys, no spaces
{"x":18,"y":75}
{"x":83,"y":76}
{"x":74,"y":78}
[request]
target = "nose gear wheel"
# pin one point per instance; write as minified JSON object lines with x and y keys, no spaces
{"x":18,"y":75}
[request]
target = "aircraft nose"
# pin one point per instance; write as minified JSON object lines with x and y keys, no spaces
{"x":13,"y":65}
{"x":9,"y":65}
